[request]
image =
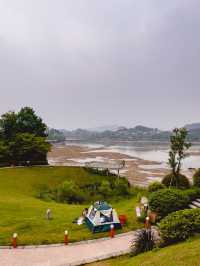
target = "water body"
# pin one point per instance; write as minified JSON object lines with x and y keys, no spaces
{"x":151,"y":151}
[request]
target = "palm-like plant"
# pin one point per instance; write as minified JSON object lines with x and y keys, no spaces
{"x":144,"y":240}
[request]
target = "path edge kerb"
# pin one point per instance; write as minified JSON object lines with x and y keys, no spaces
{"x":98,"y":258}
{"x":70,"y":244}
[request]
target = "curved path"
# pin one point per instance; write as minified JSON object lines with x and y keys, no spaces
{"x":71,"y":255}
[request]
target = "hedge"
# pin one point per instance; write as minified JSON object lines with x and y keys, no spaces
{"x":196,"y":178}
{"x":180,"y":225}
{"x":193,"y":193}
{"x":155,"y":186}
{"x":166,"y":201}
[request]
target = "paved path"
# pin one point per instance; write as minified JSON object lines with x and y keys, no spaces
{"x":71,"y":255}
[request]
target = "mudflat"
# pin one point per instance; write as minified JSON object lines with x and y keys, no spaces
{"x":138,"y":171}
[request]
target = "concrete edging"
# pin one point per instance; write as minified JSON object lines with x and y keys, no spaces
{"x":99,"y":258}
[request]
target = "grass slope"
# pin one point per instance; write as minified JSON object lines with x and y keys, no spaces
{"x":22,"y":212}
{"x":184,"y":254}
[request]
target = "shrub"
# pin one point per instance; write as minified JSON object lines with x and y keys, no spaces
{"x":44,"y":192}
{"x":180,"y":225}
{"x":155,"y":186}
{"x":166,"y":201}
{"x":196,"y":178}
{"x":70,"y":193}
{"x":105,"y":189}
{"x":121,"y":187}
{"x":139,"y":196}
{"x":192,"y":193}
{"x":172,"y":181}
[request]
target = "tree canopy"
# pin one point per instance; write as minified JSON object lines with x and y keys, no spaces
{"x":178,"y":148}
{"x":178,"y":151}
{"x":23,"y":138}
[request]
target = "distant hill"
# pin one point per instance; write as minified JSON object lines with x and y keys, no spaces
{"x":138,"y":133}
{"x":105,"y":128}
{"x":194,"y":131}
{"x":122,"y":133}
{"x":193,"y":126}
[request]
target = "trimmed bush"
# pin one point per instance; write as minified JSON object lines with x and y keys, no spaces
{"x":193,"y":193}
{"x":196,"y":178}
{"x":155,"y":186}
{"x":180,"y":182}
{"x":166,"y":201}
{"x":180,"y":225}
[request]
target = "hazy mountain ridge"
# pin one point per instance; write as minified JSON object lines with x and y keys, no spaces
{"x":123,"y":133}
{"x":193,"y":131}
{"x":104,"y":128}
{"x":193,"y":126}
{"x":130,"y":134}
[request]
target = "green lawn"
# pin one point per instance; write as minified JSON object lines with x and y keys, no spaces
{"x":184,"y":254}
{"x":22,"y":212}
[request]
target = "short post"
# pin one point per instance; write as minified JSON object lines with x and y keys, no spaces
{"x":66,"y":238}
{"x":147,"y":223}
{"x":48,"y":214}
{"x":14,"y":240}
{"x":112,"y":230}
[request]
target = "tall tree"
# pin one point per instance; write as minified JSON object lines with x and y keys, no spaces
{"x":178,"y":150}
{"x":27,"y":148}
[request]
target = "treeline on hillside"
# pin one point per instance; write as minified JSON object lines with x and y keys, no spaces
{"x":138,"y":133}
{"x":23,"y":138}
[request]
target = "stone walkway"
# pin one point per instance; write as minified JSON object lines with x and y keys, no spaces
{"x":71,"y":255}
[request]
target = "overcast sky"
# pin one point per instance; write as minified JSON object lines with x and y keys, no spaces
{"x":88,"y":63}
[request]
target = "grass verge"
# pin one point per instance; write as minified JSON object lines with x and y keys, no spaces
{"x":22,"y":212}
{"x":183,"y":254}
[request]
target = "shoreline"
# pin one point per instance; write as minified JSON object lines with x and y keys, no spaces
{"x":103,"y":141}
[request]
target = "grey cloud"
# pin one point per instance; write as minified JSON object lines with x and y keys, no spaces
{"x":89,"y":63}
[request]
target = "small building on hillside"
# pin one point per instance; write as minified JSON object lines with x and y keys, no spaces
{"x":100,"y":216}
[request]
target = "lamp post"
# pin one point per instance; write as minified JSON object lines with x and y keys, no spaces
{"x":66,"y":238}
{"x":148,"y":235}
{"x":112,"y":230}
{"x":14,"y":240}
{"x":147,"y":223}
